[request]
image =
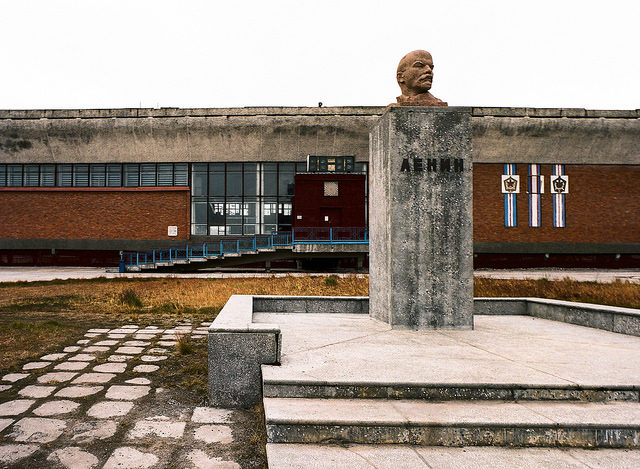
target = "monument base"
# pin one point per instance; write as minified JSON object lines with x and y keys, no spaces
{"x":421,"y":219}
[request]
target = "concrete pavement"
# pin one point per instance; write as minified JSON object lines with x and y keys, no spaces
{"x":33,"y":274}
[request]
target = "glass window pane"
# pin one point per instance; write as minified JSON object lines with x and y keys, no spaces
{"x":269,"y":212}
{"x":234,"y":183}
{"x":216,"y":179}
{"x":285,"y":183}
{"x":48,"y":175}
{"x":165,"y":174}
{"x":234,"y":213}
{"x":148,"y":174}
{"x":216,"y":213}
{"x":198,"y":183}
{"x":64,"y":175}
{"x":131,"y":175}
{"x":199,"y":230}
{"x":81,"y":175}
{"x":3,"y":175}
{"x":269,"y":183}
{"x":14,"y":175}
{"x":31,"y":176}
{"x":98,"y":175}
{"x":181,"y":174}
{"x":216,"y":230}
{"x":199,"y":212}
{"x":114,"y":175}
{"x":251,"y":182}
{"x":348,"y":164}
{"x":234,"y":229}
{"x":301,"y":167}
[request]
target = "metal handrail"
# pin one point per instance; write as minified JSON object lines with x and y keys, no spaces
{"x":280,"y":239}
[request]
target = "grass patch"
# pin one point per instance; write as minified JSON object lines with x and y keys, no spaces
{"x":45,"y":304}
{"x":130,"y":298}
{"x":184,"y":346}
{"x":24,"y":340}
{"x":188,"y":372}
{"x":331,"y":281}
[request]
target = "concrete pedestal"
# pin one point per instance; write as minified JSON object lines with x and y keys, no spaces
{"x":420,"y":218}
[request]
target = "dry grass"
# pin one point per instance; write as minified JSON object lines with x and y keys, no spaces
{"x":615,"y":294}
{"x":183,"y":344}
{"x":76,"y":305}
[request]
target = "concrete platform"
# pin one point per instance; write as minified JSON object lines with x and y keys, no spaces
{"x":293,"y":456}
{"x":503,"y":351}
{"x":450,"y":398}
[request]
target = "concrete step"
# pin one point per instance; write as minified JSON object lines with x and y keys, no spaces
{"x":454,"y":423}
{"x":310,"y":388}
{"x":298,"y":456}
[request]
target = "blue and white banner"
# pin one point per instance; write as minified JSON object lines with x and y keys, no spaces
{"x":510,"y":187}
{"x":536,"y":187}
{"x":559,"y":186}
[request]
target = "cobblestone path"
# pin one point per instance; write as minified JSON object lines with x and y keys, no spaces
{"x":96,"y":405}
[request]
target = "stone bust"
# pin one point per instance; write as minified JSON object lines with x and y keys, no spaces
{"x":415,"y":75}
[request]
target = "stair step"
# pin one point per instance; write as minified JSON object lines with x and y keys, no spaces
{"x":453,"y":423}
{"x":297,"y":456}
{"x":444,"y":391}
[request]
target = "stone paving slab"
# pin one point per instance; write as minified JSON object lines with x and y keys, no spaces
{"x":13,"y":377}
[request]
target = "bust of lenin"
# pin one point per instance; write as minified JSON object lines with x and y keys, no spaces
{"x":415,"y":75}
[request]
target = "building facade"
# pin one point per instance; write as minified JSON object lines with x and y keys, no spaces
{"x":551,"y":186}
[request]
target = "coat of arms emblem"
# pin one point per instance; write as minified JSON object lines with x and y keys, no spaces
{"x":510,"y":184}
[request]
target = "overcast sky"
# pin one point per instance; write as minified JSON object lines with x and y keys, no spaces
{"x":156,"y":53}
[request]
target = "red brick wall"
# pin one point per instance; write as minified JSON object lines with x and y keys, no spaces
{"x":94,"y":213}
{"x":603,"y":206}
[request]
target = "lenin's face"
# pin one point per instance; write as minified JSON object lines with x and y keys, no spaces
{"x":418,"y":72}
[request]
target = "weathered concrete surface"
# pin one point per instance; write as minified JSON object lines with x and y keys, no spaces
{"x":237,"y":349}
{"x":278,"y":133}
{"x":296,"y":456}
{"x":454,"y":423}
{"x":504,"y":351}
{"x":421,"y":219}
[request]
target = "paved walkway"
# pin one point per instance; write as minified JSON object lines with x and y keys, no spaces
{"x":96,"y":404}
{"x":33,"y":274}
{"x":43,"y":274}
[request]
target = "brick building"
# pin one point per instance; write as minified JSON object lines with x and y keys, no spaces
{"x":551,"y":186}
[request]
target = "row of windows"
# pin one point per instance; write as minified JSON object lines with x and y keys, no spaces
{"x":94,"y":175}
{"x":248,"y":216}
{"x":212,"y":179}
{"x":247,"y":198}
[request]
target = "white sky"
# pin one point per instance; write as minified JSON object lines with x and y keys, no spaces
{"x":110,"y":54}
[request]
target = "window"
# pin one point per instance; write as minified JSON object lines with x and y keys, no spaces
{"x":181,"y":174}
{"x":331,"y":188}
{"x":14,"y":175}
{"x":65,"y":175}
{"x":148,"y":174}
{"x":31,"y":175}
{"x":165,"y":174}
{"x":98,"y":175}
{"x":114,"y":175}
{"x":131,"y":172}
{"x":331,"y":164}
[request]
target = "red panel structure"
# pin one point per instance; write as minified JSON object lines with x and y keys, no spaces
{"x":329,"y":200}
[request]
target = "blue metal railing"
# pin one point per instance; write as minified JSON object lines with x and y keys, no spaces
{"x":213,"y":249}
